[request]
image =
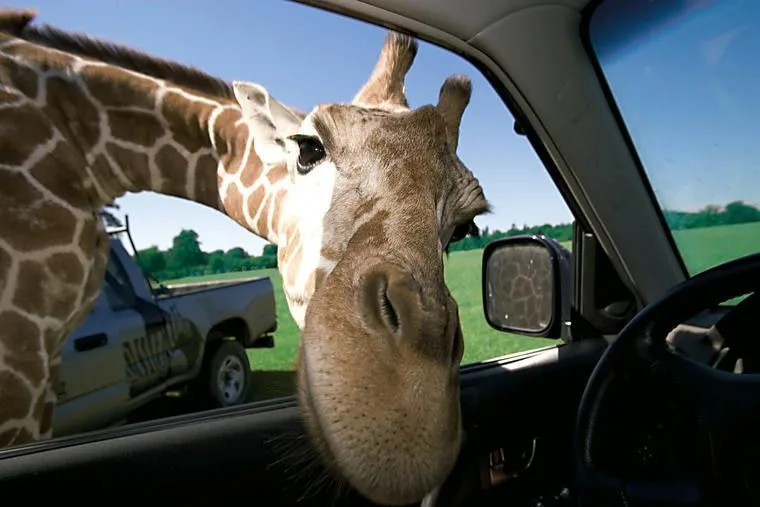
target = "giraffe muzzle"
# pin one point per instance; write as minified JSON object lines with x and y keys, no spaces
{"x":379,"y":381}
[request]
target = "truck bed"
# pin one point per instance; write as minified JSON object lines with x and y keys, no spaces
{"x":195,"y":287}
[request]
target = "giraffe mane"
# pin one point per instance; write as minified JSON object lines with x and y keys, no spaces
{"x":18,"y":24}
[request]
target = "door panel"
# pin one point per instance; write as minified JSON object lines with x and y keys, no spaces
{"x":91,"y":390}
{"x":146,"y":346}
{"x":256,"y":450}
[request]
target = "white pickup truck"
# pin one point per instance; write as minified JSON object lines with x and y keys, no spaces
{"x":139,"y":341}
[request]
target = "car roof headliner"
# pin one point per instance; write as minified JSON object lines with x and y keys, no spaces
{"x":458,"y":18}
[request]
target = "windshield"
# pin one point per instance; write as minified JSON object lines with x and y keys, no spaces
{"x":685,"y":75}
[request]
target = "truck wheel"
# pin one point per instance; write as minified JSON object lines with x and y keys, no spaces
{"x":229,"y":374}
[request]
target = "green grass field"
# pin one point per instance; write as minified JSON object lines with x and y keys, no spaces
{"x":703,"y":248}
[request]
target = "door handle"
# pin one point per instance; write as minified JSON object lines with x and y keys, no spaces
{"x":90,"y":342}
{"x":506,"y":464}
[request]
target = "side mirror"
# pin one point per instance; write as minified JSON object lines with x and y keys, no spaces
{"x":526,"y":285}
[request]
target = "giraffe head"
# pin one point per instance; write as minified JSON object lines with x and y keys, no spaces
{"x":376,"y":194}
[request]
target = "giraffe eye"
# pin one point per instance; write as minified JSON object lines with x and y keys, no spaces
{"x":310,"y":152}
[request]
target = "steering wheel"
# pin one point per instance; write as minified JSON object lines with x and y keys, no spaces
{"x":723,"y":401}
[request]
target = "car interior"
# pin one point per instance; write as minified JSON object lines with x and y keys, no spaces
{"x":617,"y":413}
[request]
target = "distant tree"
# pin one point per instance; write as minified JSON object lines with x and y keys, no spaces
{"x":270,"y":249}
{"x":215,"y":262}
{"x":739,"y":213}
{"x":236,"y":253}
{"x":186,"y":250}
{"x":151,"y":260}
{"x":235,"y":259}
{"x":736,"y":212}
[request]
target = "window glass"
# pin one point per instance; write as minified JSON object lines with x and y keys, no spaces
{"x":117,"y":288}
{"x":202,"y":266}
{"x":685,"y":77}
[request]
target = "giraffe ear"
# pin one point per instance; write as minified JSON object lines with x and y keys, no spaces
{"x":270,"y":120}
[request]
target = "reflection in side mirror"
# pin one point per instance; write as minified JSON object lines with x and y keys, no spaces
{"x":525,"y":285}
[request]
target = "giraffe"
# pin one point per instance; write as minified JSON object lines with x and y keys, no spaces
{"x":362,"y":199}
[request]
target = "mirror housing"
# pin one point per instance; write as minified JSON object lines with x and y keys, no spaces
{"x":526,"y":285}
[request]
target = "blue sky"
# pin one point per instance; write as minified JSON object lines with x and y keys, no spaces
{"x":690,"y":98}
{"x":305,"y":56}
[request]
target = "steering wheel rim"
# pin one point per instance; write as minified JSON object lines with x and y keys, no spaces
{"x":644,"y":339}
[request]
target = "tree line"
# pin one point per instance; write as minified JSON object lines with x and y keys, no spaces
{"x":733,"y":213}
{"x":186,"y":257}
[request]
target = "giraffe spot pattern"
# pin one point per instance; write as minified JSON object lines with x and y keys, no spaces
{"x":72,"y":112}
{"x":206,"y":191}
{"x":252,"y":172}
{"x":279,"y":198}
{"x":225,"y":134}
{"x":138,"y":127}
{"x":58,"y":181}
{"x":6,"y":96}
{"x":40,"y":292}
{"x":29,"y":222}
{"x":88,"y":238}
{"x":233,"y":203}
{"x":263,"y":210}
{"x":51,"y":340}
{"x":114,"y":87}
{"x":66,"y":266}
{"x":45,"y":413}
{"x":97,"y":249}
{"x":189,"y":118}
{"x":29,"y":128}
{"x":43,"y":60}
{"x":15,"y":436}
{"x":21,"y":352}
{"x":255,"y":201}
{"x":17,"y":400}
{"x":276,"y":174}
{"x":135,"y":162}
{"x":173,"y":168}
{"x":7,"y":437}
{"x":107,"y":176}
{"x":6,"y":261}
{"x":23,"y":78}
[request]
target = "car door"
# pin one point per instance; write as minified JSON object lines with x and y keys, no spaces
{"x":143,"y":330}
{"x":518,"y":410}
{"x":92,"y":390}
{"x":109,"y":360}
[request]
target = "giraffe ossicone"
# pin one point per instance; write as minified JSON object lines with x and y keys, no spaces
{"x":362,"y":199}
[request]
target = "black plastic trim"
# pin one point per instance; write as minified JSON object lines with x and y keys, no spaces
{"x":90,"y":342}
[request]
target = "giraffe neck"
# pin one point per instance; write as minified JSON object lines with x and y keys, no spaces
{"x":137,"y":133}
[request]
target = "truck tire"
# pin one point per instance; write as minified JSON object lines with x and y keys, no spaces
{"x":228,"y":378}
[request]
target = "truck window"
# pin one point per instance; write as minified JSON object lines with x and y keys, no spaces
{"x":118,"y":290}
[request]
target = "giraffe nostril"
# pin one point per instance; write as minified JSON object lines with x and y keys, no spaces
{"x":390,"y":316}
{"x":389,"y":300}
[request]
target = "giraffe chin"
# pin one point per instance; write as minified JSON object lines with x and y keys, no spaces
{"x":380,"y":400}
